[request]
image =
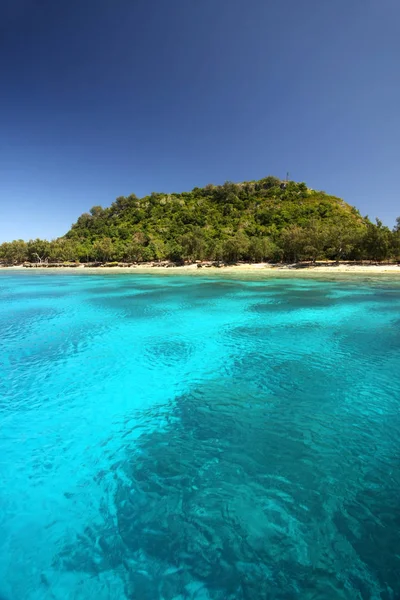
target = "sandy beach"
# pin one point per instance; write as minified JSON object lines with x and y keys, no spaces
{"x":261,"y":269}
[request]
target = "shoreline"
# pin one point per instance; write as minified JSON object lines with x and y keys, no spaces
{"x":243,"y":268}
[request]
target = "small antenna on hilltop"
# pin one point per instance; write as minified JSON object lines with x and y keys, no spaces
{"x":285,"y":181}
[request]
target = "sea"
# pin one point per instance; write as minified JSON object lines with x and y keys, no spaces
{"x":195,"y":437}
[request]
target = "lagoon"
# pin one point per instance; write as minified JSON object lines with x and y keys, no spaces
{"x":178,"y":437}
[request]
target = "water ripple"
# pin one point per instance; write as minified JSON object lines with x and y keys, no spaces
{"x":189,"y":438}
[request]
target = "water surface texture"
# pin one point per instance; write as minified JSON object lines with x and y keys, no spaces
{"x":178,"y":437}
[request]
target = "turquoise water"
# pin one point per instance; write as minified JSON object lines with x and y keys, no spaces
{"x":181,"y":437}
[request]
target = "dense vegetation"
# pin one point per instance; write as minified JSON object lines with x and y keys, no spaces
{"x":266,"y":220}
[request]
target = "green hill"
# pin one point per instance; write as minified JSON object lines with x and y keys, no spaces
{"x":258,"y":220}
{"x":231,"y":221}
{"x":266,"y":220}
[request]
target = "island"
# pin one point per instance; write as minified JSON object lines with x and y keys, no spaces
{"x":271,"y":222}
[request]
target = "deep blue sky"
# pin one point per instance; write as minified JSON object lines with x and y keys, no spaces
{"x":102,"y":98}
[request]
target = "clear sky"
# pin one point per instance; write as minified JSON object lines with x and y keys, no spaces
{"x":102,"y":98}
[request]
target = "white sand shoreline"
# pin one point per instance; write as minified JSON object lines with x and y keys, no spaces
{"x":193,"y":269}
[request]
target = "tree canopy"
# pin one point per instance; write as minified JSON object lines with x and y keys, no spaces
{"x":265,"y":220}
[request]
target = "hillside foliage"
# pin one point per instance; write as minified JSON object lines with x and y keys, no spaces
{"x":266,"y":220}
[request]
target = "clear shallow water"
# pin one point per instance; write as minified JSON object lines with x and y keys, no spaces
{"x":186,"y":438}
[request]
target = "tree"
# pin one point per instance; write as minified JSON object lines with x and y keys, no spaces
{"x":63,"y":249}
{"x":38,"y":250}
{"x":343,"y":236}
{"x":133,"y":251}
{"x":103,"y":249}
{"x":96,"y":211}
{"x":175,"y":253}
{"x":292,"y":241}
{"x":396,"y":238}
{"x":13,"y":253}
{"x":214,"y":249}
{"x":315,"y":237}
{"x":270,"y":182}
{"x":262,"y":249}
{"x":235,"y":248}
{"x":193,"y":244}
{"x":377,"y":241}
